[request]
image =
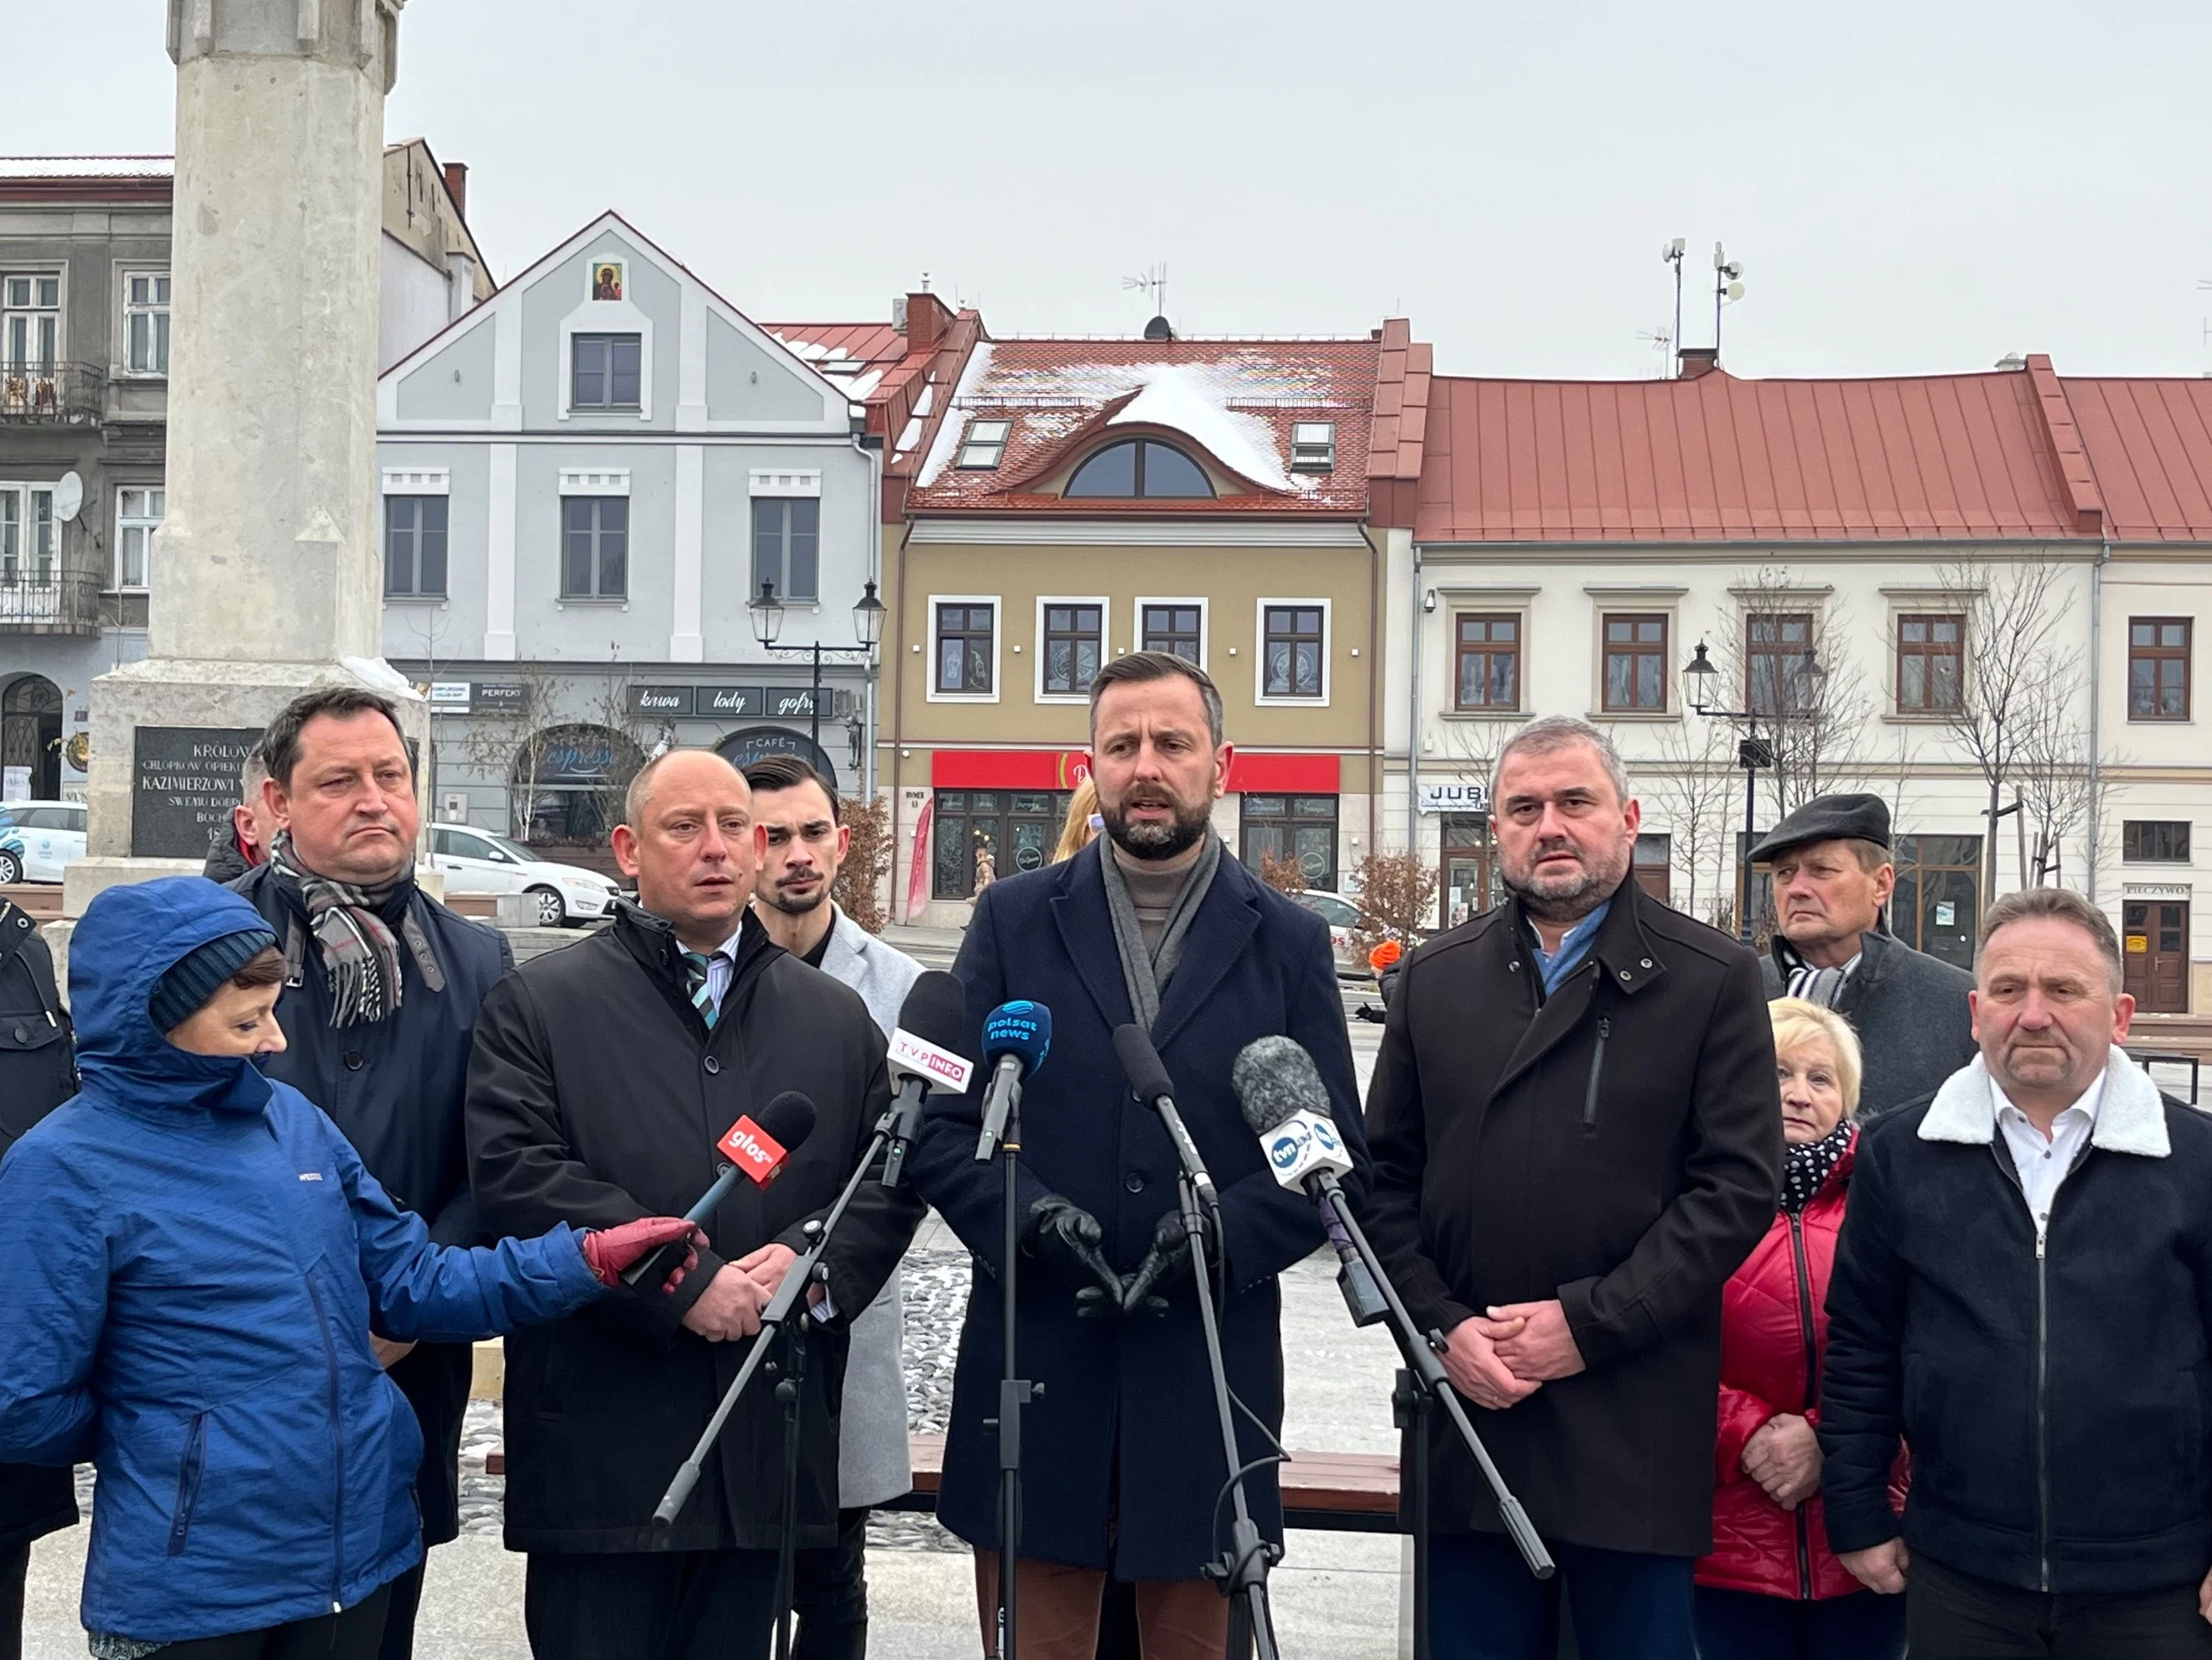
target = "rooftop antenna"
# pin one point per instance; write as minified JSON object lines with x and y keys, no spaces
{"x":1671,"y":253}
{"x":1154,"y":285}
{"x":1726,"y":288}
{"x":1662,"y":344}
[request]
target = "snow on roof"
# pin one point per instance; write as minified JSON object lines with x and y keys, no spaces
{"x":950,"y":430}
{"x":1234,"y":400}
{"x":1184,"y":400}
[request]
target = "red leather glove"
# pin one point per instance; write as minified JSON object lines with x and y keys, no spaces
{"x":608,"y":1251}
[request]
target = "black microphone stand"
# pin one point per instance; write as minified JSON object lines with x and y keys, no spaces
{"x":1242,"y":1569}
{"x":776,"y":1321}
{"x":1421,"y":1387}
{"x":1015,"y":1391}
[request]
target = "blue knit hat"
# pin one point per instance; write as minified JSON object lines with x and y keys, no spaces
{"x":195,"y":977}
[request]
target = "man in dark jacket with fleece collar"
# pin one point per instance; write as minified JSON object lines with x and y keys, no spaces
{"x":381,"y":990}
{"x":601,"y":1079}
{"x":2023,"y":1292}
{"x":1830,"y":861}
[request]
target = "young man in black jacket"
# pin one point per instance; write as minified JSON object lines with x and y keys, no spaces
{"x":2023,"y":1292}
{"x":38,"y":1073}
{"x":602,"y":1077}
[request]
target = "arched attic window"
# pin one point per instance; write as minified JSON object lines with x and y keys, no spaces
{"x":1141,"y":467}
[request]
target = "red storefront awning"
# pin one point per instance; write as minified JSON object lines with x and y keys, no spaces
{"x":1063,"y":769}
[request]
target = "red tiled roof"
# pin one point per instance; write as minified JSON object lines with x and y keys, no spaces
{"x":2149,"y":443}
{"x":1720,"y":458}
{"x":1233,"y":399}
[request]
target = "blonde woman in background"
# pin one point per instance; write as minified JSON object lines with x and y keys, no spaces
{"x":1083,"y":822}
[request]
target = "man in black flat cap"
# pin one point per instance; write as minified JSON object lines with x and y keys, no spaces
{"x":1829,"y":861}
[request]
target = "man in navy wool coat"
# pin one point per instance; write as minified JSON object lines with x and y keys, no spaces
{"x":1154,"y":923}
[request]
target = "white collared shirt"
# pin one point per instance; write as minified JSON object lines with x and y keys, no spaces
{"x":2043,"y":1162}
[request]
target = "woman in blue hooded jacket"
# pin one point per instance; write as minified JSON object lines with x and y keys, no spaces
{"x":193,"y":1259}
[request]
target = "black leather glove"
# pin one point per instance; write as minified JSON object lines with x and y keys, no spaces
{"x":1169,"y":1255}
{"x":1065,"y":1238}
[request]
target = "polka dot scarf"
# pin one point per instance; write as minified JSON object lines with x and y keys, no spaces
{"x":1806,"y":1166}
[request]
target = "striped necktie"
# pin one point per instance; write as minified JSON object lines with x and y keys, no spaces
{"x":700,"y":986}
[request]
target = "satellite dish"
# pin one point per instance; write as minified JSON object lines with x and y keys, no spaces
{"x":68,"y":496}
{"x":1735,"y":291}
{"x":1160,"y":329}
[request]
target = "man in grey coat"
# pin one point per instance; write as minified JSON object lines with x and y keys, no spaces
{"x":807,"y":841}
{"x":1832,"y":875}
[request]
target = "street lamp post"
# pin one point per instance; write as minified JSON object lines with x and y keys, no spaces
{"x":767,"y":625}
{"x":1752,"y":752}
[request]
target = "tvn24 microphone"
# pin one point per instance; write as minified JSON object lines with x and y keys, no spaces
{"x":922,"y":1058}
{"x":1286,"y":1105}
{"x":756,"y":1147}
{"x":1017,"y":1037}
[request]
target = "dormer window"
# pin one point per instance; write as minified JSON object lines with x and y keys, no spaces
{"x":1141,"y":467}
{"x":985,"y":443}
{"x":1312,"y":446}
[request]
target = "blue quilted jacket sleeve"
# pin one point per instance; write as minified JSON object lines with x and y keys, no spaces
{"x":53,"y":1261}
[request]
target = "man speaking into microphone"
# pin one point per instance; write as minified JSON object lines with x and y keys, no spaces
{"x":1154,"y":923}
{"x":608,"y":1081}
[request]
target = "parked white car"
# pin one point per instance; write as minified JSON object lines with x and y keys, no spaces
{"x":39,"y":840}
{"x":477,"y":861}
{"x":1344,"y":918}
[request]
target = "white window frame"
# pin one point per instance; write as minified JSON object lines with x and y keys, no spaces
{"x":32,"y":311}
{"x":998,"y":649}
{"x":25,"y":570}
{"x":969,"y":442}
{"x":1260,"y":655}
{"x":125,"y":523}
{"x":1322,"y":456}
{"x":1106,"y":653}
{"x":1204,"y":623}
{"x":132,"y":311}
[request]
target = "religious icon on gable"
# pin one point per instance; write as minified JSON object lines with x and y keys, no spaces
{"x":607,"y":280}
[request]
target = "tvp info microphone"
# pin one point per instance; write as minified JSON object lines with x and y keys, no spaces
{"x":923,"y":1057}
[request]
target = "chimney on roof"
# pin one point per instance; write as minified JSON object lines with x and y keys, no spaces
{"x":457,"y":186}
{"x":927,"y":320}
{"x":1695,"y":361}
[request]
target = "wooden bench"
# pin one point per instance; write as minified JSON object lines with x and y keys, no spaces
{"x":1336,"y":1492}
{"x":41,"y":900}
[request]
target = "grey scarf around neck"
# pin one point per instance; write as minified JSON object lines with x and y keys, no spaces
{"x":1145,"y":973}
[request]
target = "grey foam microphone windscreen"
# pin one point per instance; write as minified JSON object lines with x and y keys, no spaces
{"x":1273,"y":1078}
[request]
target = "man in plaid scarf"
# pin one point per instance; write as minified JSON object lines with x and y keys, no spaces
{"x":380,"y":999}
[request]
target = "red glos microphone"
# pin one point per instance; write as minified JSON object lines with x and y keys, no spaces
{"x":757,"y":1147}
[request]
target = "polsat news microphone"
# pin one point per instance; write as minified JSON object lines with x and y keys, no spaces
{"x":757,"y":1148}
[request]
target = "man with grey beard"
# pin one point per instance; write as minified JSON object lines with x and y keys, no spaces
{"x":1575,"y":1144}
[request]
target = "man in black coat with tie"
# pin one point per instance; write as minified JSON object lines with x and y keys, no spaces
{"x":602,"y":1077}
{"x":1575,"y":1144}
{"x":1157,"y":924}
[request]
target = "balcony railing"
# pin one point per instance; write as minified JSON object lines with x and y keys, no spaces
{"x":68,"y":393}
{"x":38,"y":598}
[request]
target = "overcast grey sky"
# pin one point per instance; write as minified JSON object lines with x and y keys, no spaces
{"x":1911,"y":187}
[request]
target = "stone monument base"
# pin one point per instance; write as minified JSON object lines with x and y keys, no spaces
{"x":167,"y":736}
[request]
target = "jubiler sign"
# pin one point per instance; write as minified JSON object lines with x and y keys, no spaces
{"x":1454,"y":798}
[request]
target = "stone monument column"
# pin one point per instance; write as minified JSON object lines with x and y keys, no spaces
{"x":265,"y":576}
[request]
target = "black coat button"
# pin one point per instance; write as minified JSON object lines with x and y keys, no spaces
{"x":22,"y":1034}
{"x":354,"y":1060}
{"x":1135,"y":1181}
{"x":713,"y":1065}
